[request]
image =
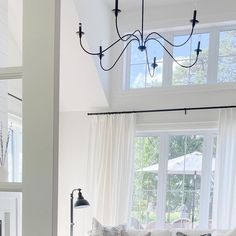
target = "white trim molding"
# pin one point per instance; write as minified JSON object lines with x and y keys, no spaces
{"x":11,"y":73}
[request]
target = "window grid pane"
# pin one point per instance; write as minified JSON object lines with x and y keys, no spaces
{"x":145,"y":181}
{"x":227,"y":57}
{"x":11,"y":33}
{"x":186,"y":55}
{"x":184,"y":181}
{"x":139,"y":77}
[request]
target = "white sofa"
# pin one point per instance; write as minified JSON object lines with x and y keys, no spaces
{"x":173,"y":232}
{"x":121,"y":230}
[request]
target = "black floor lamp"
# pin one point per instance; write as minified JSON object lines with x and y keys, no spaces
{"x":80,"y":203}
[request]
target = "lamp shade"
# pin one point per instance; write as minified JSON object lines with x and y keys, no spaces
{"x":81,"y":202}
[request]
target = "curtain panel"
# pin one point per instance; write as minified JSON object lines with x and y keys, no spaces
{"x":224,"y":207}
{"x":110,"y":167}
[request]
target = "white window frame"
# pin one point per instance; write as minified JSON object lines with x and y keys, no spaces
{"x":213,"y":55}
{"x":208,"y":135}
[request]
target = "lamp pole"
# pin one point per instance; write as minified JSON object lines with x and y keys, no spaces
{"x":80,"y":203}
{"x":72,"y":212}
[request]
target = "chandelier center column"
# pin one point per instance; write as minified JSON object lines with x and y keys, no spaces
{"x":142,"y":22}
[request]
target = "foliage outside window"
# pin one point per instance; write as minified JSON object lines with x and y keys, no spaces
{"x":227,"y":57}
{"x":182,"y":199}
{"x":186,"y":55}
{"x":168,"y":73}
{"x":145,"y":190}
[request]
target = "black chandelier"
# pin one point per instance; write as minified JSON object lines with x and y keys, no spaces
{"x":142,"y":39}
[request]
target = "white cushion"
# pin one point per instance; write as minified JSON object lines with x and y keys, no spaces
{"x":224,"y":232}
{"x":160,"y":233}
{"x":134,"y":232}
{"x":191,"y":232}
{"x":220,"y":232}
{"x":99,"y":230}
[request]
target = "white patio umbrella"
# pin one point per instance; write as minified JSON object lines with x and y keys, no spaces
{"x":186,"y":164}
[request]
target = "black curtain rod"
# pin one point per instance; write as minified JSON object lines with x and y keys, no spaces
{"x":161,"y":110}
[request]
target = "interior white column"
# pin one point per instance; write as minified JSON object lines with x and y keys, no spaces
{"x":41,"y":23}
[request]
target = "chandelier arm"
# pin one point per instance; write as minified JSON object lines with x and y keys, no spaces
{"x":166,"y":40}
{"x":90,"y":53}
{"x":118,"y":40}
{"x":97,"y":54}
{"x":187,"y":67}
{"x":149,"y":70}
{"x":117,"y":58}
{"x":129,"y":35}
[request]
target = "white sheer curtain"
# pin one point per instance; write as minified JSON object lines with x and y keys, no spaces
{"x":225,"y":183}
{"x":110,"y":167}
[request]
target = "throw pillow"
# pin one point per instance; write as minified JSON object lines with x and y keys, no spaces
{"x":180,"y":234}
{"x":133,"y":232}
{"x":99,"y":230}
{"x":156,"y":232}
{"x":183,"y":234}
{"x":190,"y":232}
{"x":220,"y":232}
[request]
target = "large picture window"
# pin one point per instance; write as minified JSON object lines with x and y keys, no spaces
{"x":184,"y":182}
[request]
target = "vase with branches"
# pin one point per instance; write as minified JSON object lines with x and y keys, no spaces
{"x":4,"y":143}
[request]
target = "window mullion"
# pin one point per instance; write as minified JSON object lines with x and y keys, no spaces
{"x":213,"y":57}
{"x":126,"y":69}
{"x":206,"y":180}
{"x":162,"y":180}
{"x":167,"y":62}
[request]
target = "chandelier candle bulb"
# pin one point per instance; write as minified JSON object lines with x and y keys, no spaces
{"x":194,"y":20}
{"x":154,"y":64}
{"x":116,"y":6}
{"x":100,"y":53}
{"x":116,"y":10}
{"x":80,"y":32}
{"x":194,"y":15}
{"x":198,"y":48}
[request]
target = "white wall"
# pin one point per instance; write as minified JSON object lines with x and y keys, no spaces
{"x":96,"y":19}
{"x":80,"y":85}
{"x":73,"y":153}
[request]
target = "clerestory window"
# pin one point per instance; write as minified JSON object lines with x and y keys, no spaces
{"x":216,"y":64}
